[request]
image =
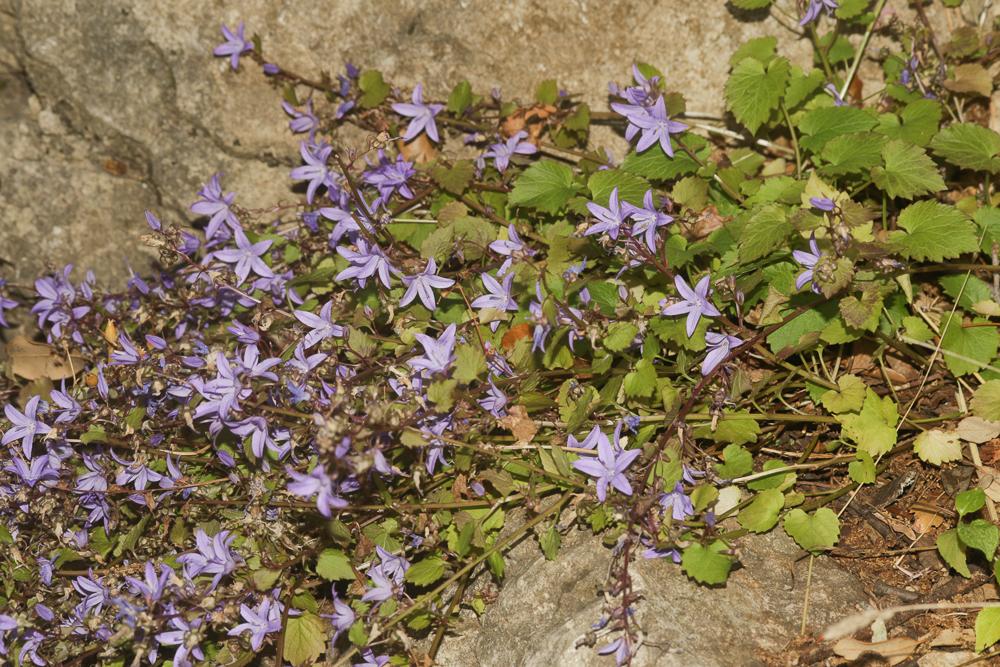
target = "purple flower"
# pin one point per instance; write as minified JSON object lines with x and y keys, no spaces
{"x":502,"y":152}
{"x":255,"y":367}
{"x":384,"y":586}
{"x":304,"y":364}
{"x":32,"y":641}
{"x":128,"y":355}
{"x":5,"y":304}
{"x":95,"y":594}
{"x":646,"y":220}
{"x":38,"y":469}
{"x":316,"y":483}
{"x":838,"y":101}
{"x":247,"y":257}
{"x":234,"y":46}
{"x":259,"y":622}
{"x":371,"y":660}
{"x":823,"y":203}
{"x":512,"y":247}
{"x":654,"y":125}
{"x":7,"y":623}
{"x":215,"y":205}
{"x":807,"y":260}
{"x":422,"y":284}
{"x":343,"y":616}
{"x":314,"y":170}
{"x":696,"y":302}
{"x":184,"y":637}
{"x":677,"y":502}
{"x":609,"y":468}
{"x":366,"y":262}
{"x":438,"y":354}
{"x":322,"y":325}
{"x":719,"y":346}
{"x":389,"y":177}
{"x":495,"y":402}
{"x":621,"y":650}
{"x":815,"y":7}
{"x":302,"y":121}
{"x":499,"y":294}
{"x":422,"y":115}
{"x":213,"y":556}
{"x":609,"y":219}
{"x":26,"y":425}
{"x":152,"y":586}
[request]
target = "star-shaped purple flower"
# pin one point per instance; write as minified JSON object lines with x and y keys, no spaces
{"x":247,"y":257}
{"x":609,"y":219}
{"x":26,"y":425}
{"x":499,"y":293}
{"x":314,"y":170}
{"x":815,"y":7}
{"x":646,"y":220}
{"x":322,"y":325}
{"x":696,"y":302}
{"x":216,"y":206}
{"x":609,"y":468}
{"x":234,"y":46}
{"x":512,"y":247}
{"x":502,"y":152}
{"x":438,"y":354}
{"x":656,"y":126}
{"x":719,"y":346}
{"x":365,"y":262}
{"x":423,"y":284}
{"x":422,"y":115}
{"x":259,"y":622}
{"x":808,"y":260}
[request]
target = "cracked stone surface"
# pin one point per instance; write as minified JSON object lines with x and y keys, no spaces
{"x":545,"y":607}
{"x":113,"y":107}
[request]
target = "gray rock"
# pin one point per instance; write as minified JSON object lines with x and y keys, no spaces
{"x":544,"y":607}
{"x":118,"y":105}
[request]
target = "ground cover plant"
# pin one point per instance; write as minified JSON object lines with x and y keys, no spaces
{"x":318,"y":423}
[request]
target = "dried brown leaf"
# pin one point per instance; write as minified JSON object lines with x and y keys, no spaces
{"x":34,"y":361}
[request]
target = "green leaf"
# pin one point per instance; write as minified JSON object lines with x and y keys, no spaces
{"x":764,"y":233}
{"x":460,"y":98}
{"x":852,"y":153}
{"x":969,"y":146}
{"x":862,"y":471}
{"x":334,"y":565}
{"x":546,"y":185}
{"x":470,"y":363}
{"x":738,"y":462}
{"x":128,"y":541}
{"x":751,"y":4}
{"x":819,"y":126}
{"x":980,"y":535}
{"x":305,"y":639}
{"x":547,"y":91}
{"x":874,"y":428}
{"x":641,"y":381}
{"x":453,"y":179}
{"x":758,"y":48}
{"x":987,"y":628}
{"x":970,"y":501}
{"x":753,"y":91}
{"x":692,"y":192}
{"x":761,"y":515}
{"x":816,"y":532}
{"x":631,"y":188}
{"x":550,"y":541}
{"x":426,"y":571}
{"x":737,"y":428}
{"x":907,"y":172}
{"x":653,"y":163}
{"x":849,"y":9}
{"x":620,"y":336}
{"x":801,"y":86}
{"x":779,"y":481}
{"x":986,"y":402}
{"x":937,"y":447}
{"x":934,"y":232}
{"x":920,"y":121}
{"x":374,"y":89}
{"x":953,"y":552}
{"x":967,"y":350}
{"x":850,"y":398}
{"x":705,"y":564}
